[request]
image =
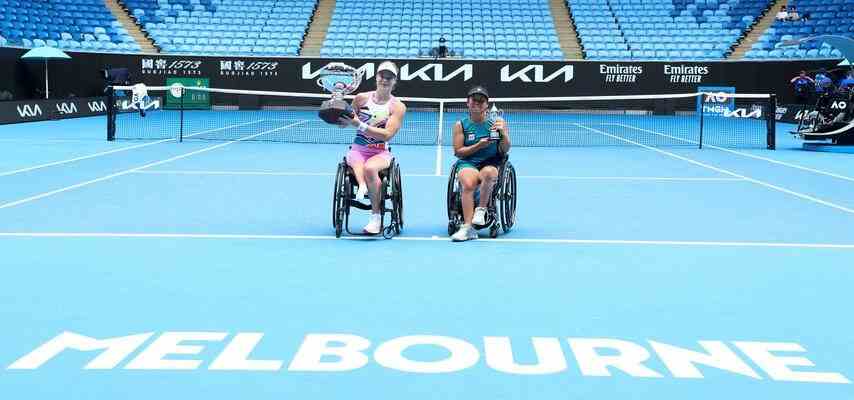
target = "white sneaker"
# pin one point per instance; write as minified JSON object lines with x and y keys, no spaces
{"x":466,"y":232}
{"x":361,"y":192}
{"x":373,"y":227}
{"x":479,"y":216}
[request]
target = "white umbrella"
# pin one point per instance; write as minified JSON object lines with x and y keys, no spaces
{"x":45,"y":53}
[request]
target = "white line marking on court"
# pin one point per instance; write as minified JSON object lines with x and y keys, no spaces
{"x":128,"y":171}
{"x":551,"y":177}
{"x":770,"y":160}
{"x":433,"y":238}
{"x":726,"y":172}
{"x":55,"y":163}
{"x":71,"y":160}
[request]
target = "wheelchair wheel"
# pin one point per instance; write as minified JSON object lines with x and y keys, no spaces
{"x":339,"y":199}
{"x":452,"y":202}
{"x":507,"y":197}
{"x":397,"y":199}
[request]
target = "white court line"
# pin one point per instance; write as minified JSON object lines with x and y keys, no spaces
{"x":128,"y":171}
{"x":424,"y":239}
{"x":726,"y":172}
{"x":71,"y":160}
{"x":55,"y":163}
{"x":552,"y":177}
{"x":770,"y":160}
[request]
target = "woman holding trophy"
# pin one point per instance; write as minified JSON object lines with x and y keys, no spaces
{"x":377,"y":116}
{"x":480,"y":142}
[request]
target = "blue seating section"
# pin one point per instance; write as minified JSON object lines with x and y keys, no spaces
{"x":474,"y":29}
{"x":826,"y":17}
{"x":81,"y":25}
{"x":225,"y":27}
{"x":662,"y":29}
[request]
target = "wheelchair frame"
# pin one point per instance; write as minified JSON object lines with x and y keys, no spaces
{"x":344,"y":197}
{"x":501,"y":209}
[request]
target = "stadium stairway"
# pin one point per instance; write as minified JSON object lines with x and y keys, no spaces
{"x":753,"y":34}
{"x":317,"y":29}
{"x":130,"y":25}
{"x":567,"y":37}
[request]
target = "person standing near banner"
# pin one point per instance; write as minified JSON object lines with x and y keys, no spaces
{"x":803,"y":86}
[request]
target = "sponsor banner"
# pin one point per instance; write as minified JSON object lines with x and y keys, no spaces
{"x":251,"y":69}
{"x":792,"y":113}
{"x":192,"y":99}
{"x":40,"y":110}
{"x":162,"y":66}
{"x":420,"y":77}
{"x":622,"y":74}
{"x":143,"y":105}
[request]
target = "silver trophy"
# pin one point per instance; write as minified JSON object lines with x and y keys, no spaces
{"x":492,"y":115}
{"x":340,"y":79}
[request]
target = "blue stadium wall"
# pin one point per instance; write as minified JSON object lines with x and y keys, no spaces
{"x":80,"y":77}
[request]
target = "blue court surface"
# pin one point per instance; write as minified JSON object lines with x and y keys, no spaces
{"x":210,"y":270}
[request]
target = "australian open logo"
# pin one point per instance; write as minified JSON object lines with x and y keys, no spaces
{"x":252,"y":69}
{"x":616,"y":73}
{"x":682,"y":73}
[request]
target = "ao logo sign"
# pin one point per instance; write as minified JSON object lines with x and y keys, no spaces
{"x":66,"y":108}
{"x":716,"y":98}
{"x":839,"y":105}
{"x":29,"y":111}
{"x":97,"y":106}
{"x":567,"y":71}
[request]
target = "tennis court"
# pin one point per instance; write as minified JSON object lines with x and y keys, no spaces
{"x":634,"y":271}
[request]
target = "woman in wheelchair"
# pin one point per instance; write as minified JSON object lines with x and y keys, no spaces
{"x":379,"y":116}
{"x":481,"y":143}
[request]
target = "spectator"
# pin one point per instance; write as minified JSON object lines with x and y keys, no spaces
{"x":793,"y":15}
{"x":847,"y":84}
{"x":782,"y":15}
{"x":443,"y":49}
{"x":440,"y":51}
{"x":823,"y":83}
{"x":803,"y":85}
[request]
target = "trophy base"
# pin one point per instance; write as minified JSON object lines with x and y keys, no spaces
{"x":333,"y":110}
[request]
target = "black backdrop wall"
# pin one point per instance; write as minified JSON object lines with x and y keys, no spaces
{"x":81,"y":76}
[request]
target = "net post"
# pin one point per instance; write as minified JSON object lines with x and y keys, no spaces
{"x":440,"y":134}
{"x":111,"y":113}
{"x":702,"y":120}
{"x":771,"y":119}
{"x":181,"y":124}
{"x":441,"y":122}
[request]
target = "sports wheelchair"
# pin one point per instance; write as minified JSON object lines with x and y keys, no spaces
{"x":344,"y":197}
{"x":501,"y":209}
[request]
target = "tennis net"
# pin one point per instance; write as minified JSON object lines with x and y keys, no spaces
{"x":690,"y":119}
